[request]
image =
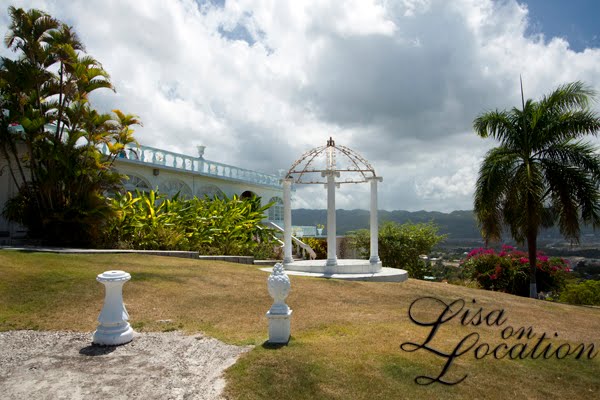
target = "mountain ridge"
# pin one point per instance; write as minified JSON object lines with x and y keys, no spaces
{"x":457,"y":224}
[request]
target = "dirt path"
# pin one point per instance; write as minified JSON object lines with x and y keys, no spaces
{"x":64,"y":365}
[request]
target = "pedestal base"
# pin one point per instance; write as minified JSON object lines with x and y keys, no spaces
{"x":113,"y":335}
{"x":279,"y":327}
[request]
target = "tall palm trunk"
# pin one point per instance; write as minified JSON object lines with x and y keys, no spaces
{"x":532,"y":248}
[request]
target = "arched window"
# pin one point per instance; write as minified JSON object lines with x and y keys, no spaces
{"x":173,"y":186}
{"x":210,"y":191}
{"x":275,"y":212}
{"x":247,"y":195}
{"x":136,"y":182}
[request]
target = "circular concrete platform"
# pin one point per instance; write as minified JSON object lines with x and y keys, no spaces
{"x":352,"y":266}
{"x":316,"y":269}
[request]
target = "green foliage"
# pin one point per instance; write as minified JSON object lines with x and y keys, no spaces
{"x":319,"y":246}
{"x":50,"y":135}
{"x":267,"y":250}
{"x":400,"y":245}
{"x":542,"y":173}
{"x":508,"y":270}
{"x":212,"y":226}
{"x":587,"y":292}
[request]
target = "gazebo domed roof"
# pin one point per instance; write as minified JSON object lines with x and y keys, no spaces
{"x":352,"y":167}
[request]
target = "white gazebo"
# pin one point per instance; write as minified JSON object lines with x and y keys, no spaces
{"x":332,"y":165}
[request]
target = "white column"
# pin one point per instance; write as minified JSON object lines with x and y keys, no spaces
{"x":331,"y":228}
{"x":374,"y":259}
{"x":287,"y":221}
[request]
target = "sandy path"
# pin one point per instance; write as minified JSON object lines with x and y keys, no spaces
{"x":64,"y":365}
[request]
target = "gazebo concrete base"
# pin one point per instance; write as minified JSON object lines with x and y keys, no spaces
{"x":342,"y":267}
{"x":317,"y":270}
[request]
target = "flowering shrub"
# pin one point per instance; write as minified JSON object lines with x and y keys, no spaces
{"x":508,"y":270}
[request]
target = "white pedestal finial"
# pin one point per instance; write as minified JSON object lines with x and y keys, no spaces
{"x":114,"y":328}
{"x":279,"y":314}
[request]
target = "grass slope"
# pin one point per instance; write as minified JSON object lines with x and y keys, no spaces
{"x":346,"y":336}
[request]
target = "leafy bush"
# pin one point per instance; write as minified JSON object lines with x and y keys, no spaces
{"x":400,"y":245}
{"x":587,"y":292}
{"x":319,"y":246}
{"x":267,"y":251}
{"x":508,"y":270}
{"x":219,"y":226}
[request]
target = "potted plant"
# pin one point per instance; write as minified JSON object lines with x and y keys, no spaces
{"x":320,"y":229}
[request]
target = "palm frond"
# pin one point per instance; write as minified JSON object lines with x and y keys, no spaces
{"x":492,"y":188}
{"x":574,"y":95}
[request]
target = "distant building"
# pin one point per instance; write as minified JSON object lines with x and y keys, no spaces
{"x":149,"y":168}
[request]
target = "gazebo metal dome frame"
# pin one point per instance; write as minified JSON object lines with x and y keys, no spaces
{"x":307,"y":169}
{"x":310,"y":168}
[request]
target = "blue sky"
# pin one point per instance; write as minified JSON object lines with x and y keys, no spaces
{"x":260,"y":82}
{"x":575,"y":20}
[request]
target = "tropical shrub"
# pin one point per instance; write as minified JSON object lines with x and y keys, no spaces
{"x":400,"y":245}
{"x":319,"y":246}
{"x":221,"y":226}
{"x":587,"y":292}
{"x":267,"y":250}
{"x":508,"y":270}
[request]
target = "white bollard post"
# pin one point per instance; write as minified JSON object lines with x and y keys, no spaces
{"x":279,"y":315}
{"x":114,"y":328}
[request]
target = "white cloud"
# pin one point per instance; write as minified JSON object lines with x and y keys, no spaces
{"x":260,"y":82}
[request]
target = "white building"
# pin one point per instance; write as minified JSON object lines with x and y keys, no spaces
{"x":151,"y":168}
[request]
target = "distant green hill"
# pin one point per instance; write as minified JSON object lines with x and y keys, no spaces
{"x":457,"y":224}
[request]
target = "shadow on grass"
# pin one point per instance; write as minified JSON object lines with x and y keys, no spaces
{"x":274,"y":346}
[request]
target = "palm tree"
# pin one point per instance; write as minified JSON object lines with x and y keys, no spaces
{"x":60,"y":172}
{"x":542,"y":173}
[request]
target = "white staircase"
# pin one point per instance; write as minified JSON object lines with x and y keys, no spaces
{"x":305,"y":248}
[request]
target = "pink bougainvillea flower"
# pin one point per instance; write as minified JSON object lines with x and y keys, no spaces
{"x":474,"y":252}
{"x":524,"y":260}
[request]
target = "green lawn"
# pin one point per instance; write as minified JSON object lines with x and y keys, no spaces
{"x":346,"y":336}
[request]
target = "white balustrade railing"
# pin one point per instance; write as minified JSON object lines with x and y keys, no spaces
{"x":159,"y":157}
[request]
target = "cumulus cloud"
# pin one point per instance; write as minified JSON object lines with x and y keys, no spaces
{"x":260,"y":82}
